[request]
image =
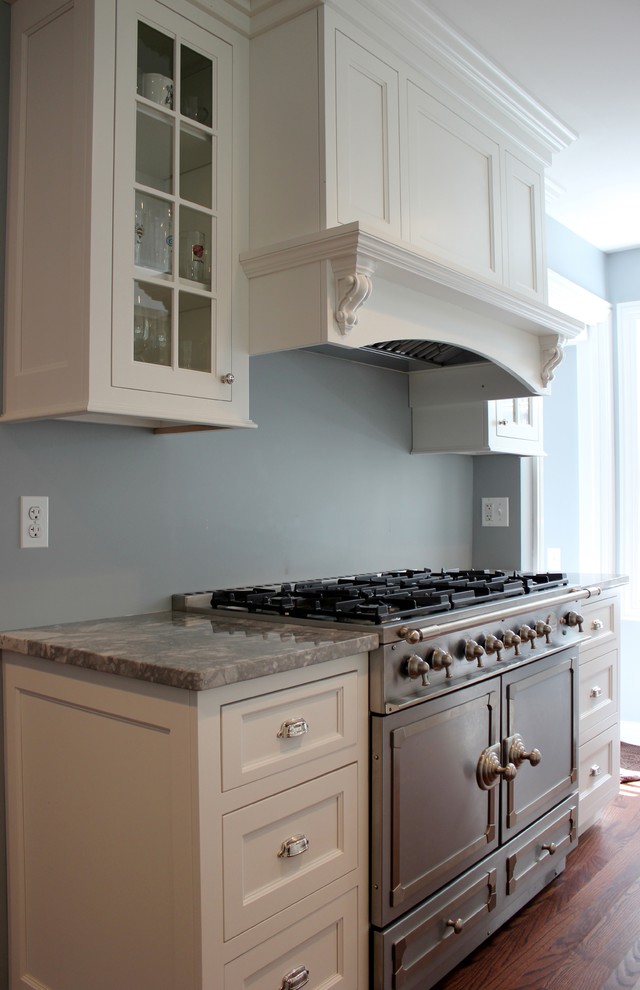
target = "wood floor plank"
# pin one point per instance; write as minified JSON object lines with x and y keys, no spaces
{"x":582,"y":932}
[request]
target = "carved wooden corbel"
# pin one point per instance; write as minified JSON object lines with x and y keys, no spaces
{"x":351,"y":292}
{"x":551,"y":356}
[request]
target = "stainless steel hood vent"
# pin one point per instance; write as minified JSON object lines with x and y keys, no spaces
{"x":404,"y":356}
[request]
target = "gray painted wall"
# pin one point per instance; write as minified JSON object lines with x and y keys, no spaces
{"x":623,"y":276}
{"x":325,"y":485}
{"x":576,"y":259}
{"x":498,"y":547}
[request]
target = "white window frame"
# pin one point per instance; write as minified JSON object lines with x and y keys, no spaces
{"x":596,"y":424}
{"x":628,"y":372}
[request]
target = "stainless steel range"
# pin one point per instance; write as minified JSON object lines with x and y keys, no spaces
{"x":473,"y":700}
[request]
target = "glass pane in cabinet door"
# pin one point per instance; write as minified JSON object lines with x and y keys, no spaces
{"x":154,"y":149}
{"x":153,"y":233}
{"x":196,"y":86}
{"x":155,"y":66}
{"x":151,"y":323}
{"x":524,"y":412}
{"x":196,"y":165}
{"x":194,"y":332}
{"x":196,"y":250}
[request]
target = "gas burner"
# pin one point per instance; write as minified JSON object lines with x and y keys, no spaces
{"x":383,"y":597}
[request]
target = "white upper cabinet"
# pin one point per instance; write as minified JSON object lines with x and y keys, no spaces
{"x":127,"y":193}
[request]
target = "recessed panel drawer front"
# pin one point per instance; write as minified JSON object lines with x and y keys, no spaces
{"x":599,"y":773}
{"x":416,"y":951}
{"x":322,"y":946}
{"x":277,"y":851}
{"x":598,"y":693}
{"x":276,"y":732}
{"x":601,"y":622}
{"x":542,"y":846}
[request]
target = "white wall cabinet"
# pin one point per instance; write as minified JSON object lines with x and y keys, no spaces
{"x":127,"y":189}
{"x":139,"y":855}
{"x":476,"y":426}
{"x":599,"y":707}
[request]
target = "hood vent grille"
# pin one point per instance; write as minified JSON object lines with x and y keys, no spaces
{"x":428,"y":351}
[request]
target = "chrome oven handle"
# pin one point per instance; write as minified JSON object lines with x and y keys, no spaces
{"x":413,"y":636}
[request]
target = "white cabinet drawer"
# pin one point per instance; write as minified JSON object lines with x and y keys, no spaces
{"x":600,"y":621}
{"x":325,"y":944}
{"x":598,"y":693}
{"x":256,"y":741}
{"x":263,"y":877}
{"x":598,"y":774}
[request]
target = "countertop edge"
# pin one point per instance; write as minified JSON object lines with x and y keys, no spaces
{"x":55,"y":644}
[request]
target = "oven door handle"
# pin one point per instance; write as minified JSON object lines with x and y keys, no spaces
{"x":413,"y":636}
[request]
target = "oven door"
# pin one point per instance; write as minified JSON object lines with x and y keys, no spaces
{"x":539,"y":736}
{"x":430,"y":818}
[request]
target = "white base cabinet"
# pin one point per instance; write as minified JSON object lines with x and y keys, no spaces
{"x":127,"y":210}
{"x":140,"y":858}
{"x":599,"y":706}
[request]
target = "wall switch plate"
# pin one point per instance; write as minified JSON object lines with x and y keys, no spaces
{"x":34,"y":521}
{"x":495,"y":511}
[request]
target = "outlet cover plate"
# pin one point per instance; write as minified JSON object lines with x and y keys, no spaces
{"x":495,"y":511}
{"x":34,"y":521}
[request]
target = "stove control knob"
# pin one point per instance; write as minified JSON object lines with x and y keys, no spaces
{"x":417,"y":667}
{"x":493,"y":645}
{"x":512,"y":639}
{"x":411,"y":636}
{"x":574,"y":619}
{"x":440,"y":658}
{"x":473,"y":651}
{"x":527,"y":633}
{"x":543,"y":629}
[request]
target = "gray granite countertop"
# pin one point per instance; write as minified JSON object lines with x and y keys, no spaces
{"x":192,"y":652}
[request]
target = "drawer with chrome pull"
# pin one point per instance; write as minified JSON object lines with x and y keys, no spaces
{"x":542,"y":845}
{"x":316,"y":952}
{"x":275,"y":732}
{"x":601,"y":620}
{"x":598,"y":694}
{"x":279,"y":850}
{"x":598,"y":773}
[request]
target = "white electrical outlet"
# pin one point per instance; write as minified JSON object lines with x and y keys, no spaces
{"x":495,"y":511}
{"x":34,"y":521}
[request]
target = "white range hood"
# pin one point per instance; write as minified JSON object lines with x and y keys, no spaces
{"x":349,"y":288}
{"x":397,"y":194}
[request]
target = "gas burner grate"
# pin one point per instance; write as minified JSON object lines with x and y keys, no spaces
{"x":382,"y":597}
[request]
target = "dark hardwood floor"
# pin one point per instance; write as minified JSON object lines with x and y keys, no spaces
{"x":583,"y":931}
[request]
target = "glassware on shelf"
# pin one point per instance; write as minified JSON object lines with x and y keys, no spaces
{"x":196,"y":80}
{"x":193,"y":255}
{"x":158,"y":88}
{"x":153,"y":233}
{"x":151,"y":324}
{"x":194,"y":332}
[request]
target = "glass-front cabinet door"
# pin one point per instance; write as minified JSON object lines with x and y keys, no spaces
{"x":172,"y":214}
